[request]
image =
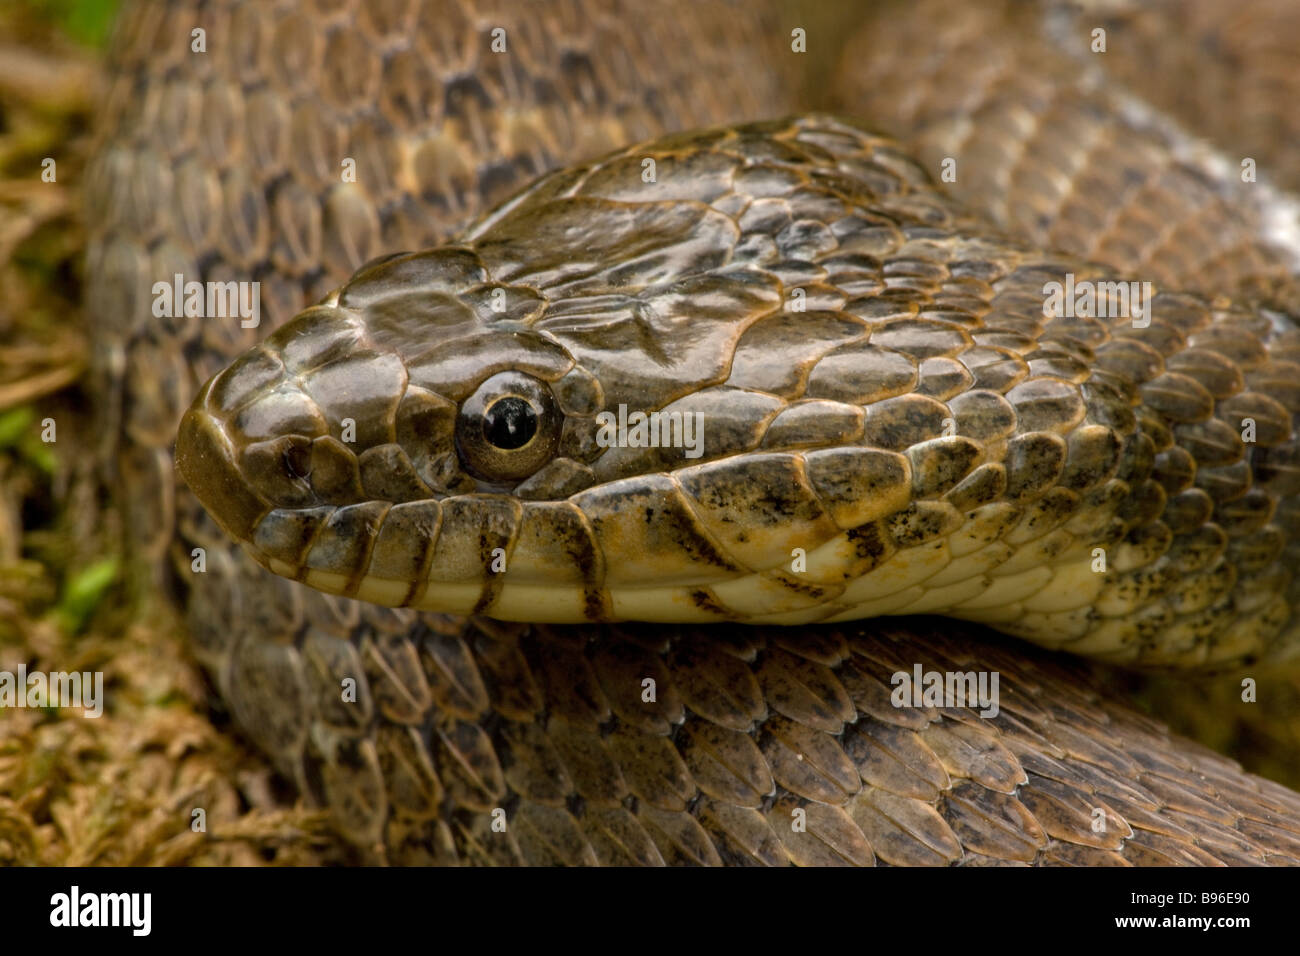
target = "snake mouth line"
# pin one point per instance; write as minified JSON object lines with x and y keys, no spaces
{"x":384,"y":553}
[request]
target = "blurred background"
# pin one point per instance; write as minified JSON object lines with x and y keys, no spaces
{"x":119,"y":789}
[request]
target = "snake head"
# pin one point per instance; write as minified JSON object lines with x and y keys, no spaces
{"x":429,"y":436}
{"x":731,"y":394}
{"x":612,"y":399}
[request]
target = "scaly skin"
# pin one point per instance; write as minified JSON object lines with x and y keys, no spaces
{"x":231,"y":163}
{"x":878,"y":390}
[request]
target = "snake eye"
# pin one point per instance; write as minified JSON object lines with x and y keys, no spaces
{"x":508,"y":428}
{"x":509,"y":423}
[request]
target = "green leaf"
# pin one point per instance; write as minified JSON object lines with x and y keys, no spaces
{"x":83,"y":593}
{"x":14,"y":424}
{"x":86,"y":21}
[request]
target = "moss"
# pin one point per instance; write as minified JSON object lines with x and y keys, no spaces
{"x":120,"y":789}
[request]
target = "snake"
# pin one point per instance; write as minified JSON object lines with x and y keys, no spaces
{"x":572,"y":506}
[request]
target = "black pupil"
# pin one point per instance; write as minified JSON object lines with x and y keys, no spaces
{"x":509,"y":423}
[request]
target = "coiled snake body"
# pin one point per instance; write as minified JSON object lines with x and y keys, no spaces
{"x":890,"y":424}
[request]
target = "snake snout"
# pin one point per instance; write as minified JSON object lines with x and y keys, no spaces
{"x":206,"y":460}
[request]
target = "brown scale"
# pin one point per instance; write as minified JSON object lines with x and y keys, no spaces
{"x":998,"y":88}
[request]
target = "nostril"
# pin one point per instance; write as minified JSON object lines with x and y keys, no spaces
{"x":279,"y":470}
{"x":297,"y":460}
